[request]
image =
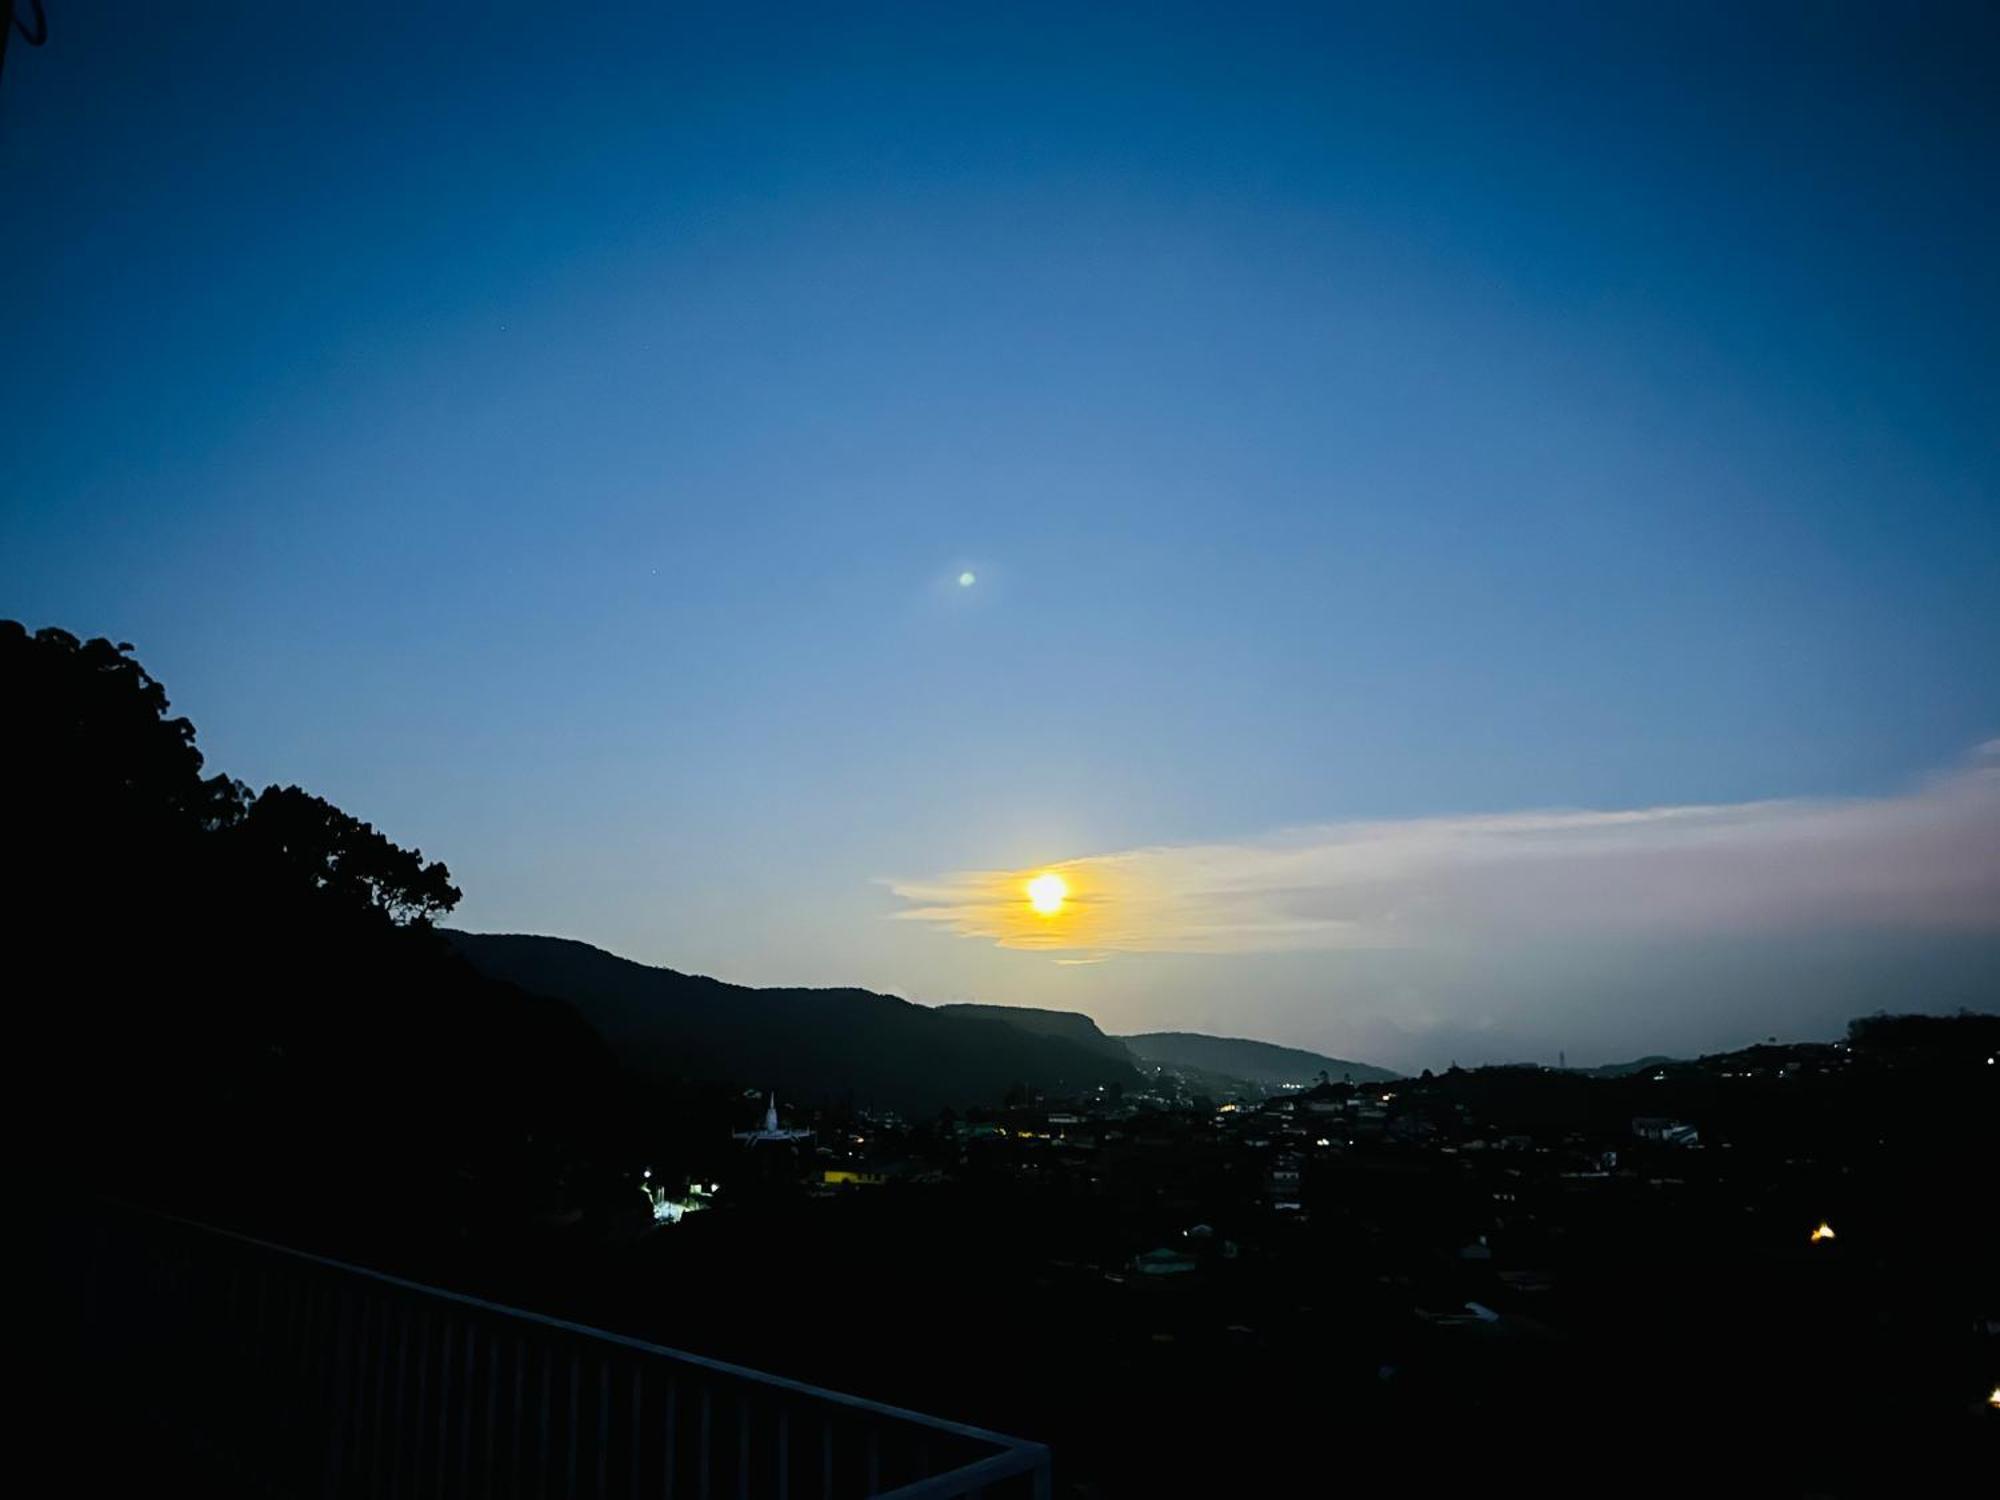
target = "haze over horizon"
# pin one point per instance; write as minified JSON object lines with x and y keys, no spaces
{"x":1455,"y":551}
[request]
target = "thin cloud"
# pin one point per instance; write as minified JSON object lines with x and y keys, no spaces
{"x":1928,"y":860}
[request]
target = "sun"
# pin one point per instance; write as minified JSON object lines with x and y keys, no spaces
{"x":1046,"y":893}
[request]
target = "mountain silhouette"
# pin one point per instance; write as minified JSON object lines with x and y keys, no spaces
{"x":1070,"y":1025}
{"x":810,"y":1045}
{"x":1262,"y":1063}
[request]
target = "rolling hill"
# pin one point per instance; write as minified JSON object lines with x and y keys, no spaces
{"x":1626,"y":1069}
{"x":808,"y":1044}
{"x":1069,"y":1025}
{"x":1262,"y":1063}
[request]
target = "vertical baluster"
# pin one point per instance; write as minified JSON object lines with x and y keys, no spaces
{"x":707,"y":1408}
{"x":548,"y":1406}
{"x":413,"y":1418}
{"x":489,"y":1479}
{"x":784,"y":1448}
{"x":520,"y":1409}
{"x":243,"y":1390}
{"x":575,"y":1414}
{"x":215,"y":1319}
{"x":370,"y":1355}
{"x":603,"y":1425}
{"x":826,"y":1457}
{"x":400,"y":1419}
{"x":673,"y":1426}
{"x":638,"y":1427}
{"x":743,"y":1444}
{"x":288,"y":1406}
{"x":468,"y":1379}
{"x":445,"y":1345}
{"x":264,"y":1439}
{"x":874,"y":1458}
{"x":378,"y":1456}
{"x":302,"y":1361}
{"x":341,"y":1403}
{"x":360,"y":1389}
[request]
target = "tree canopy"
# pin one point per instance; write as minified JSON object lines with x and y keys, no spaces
{"x":100,"y":784}
{"x":239,"y":998}
{"x":344,"y":857}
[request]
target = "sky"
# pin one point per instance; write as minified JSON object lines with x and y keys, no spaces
{"x":1484,"y":521}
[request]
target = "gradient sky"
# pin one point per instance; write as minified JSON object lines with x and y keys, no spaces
{"x":555,"y":436}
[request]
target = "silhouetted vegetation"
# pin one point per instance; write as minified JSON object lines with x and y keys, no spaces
{"x":235,"y":1002}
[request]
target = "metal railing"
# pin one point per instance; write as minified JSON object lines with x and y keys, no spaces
{"x":267,"y":1370}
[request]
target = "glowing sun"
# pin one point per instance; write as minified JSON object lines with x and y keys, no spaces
{"x":1046,"y":893}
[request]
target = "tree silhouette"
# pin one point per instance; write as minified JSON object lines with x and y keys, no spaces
{"x":91,"y":744}
{"x":240,"y":998}
{"x":345,"y":858}
{"x":101,"y":785}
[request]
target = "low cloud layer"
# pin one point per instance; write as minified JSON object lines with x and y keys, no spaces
{"x":1926,"y":861}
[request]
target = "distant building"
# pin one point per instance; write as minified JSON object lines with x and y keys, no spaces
{"x":671,"y":1210}
{"x":1164,"y":1262}
{"x":771,"y":1134}
{"x":1667,"y":1132}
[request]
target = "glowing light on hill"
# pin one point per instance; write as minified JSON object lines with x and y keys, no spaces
{"x":1824,"y":1232}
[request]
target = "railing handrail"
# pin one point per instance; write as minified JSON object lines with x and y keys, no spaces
{"x":971,"y":1478}
{"x":1021,"y":1454}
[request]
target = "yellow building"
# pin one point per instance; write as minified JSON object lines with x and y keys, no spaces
{"x":852,"y":1177}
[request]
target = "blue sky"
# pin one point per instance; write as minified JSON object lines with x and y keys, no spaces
{"x":555,"y":438}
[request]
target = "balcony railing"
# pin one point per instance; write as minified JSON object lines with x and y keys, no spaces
{"x":265,"y":1370}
